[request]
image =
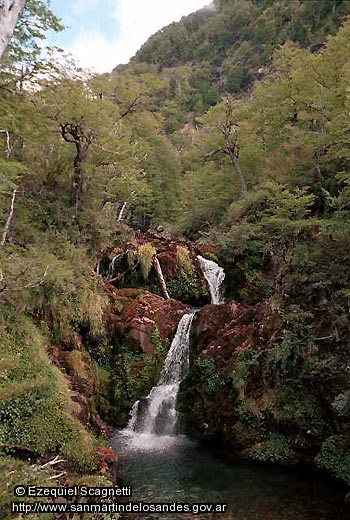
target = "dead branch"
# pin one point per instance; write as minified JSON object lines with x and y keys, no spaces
{"x":9,"y":219}
{"x":160,"y":277}
{"x":54,"y":477}
{"x":40,"y":282}
{"x":131,"y":107}
{"x":53,"y":462}
{"x":122,"y":211}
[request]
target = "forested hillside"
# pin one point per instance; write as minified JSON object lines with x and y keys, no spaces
{"x":229,"y":129}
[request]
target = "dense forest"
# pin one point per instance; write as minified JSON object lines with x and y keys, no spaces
{"x":226,"y":135}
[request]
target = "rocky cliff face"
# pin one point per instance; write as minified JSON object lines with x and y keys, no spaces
{"x":242,"y":392}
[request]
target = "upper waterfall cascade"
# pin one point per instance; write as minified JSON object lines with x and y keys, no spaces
{"x":215,"y":276}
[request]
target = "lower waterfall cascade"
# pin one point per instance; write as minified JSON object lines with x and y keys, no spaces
{"x":156,"y":414}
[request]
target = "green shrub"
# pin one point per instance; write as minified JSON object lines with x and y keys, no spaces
{"x":80,"y":452}
{"x":188,"y":288}
{"x":13,"y":472}
{"x":334,"y":456}
{"x":145,"y":255}
{"x":212,"y":380}
{"x":35,"y":407}
{"x":276,"y":449}
{"x":184,"y":260}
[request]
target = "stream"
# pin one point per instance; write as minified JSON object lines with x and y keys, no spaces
{"x":163,"y":466}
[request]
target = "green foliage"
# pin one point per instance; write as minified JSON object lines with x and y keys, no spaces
{"x":153,"y":138}
{"x":187,"y":288}
{"x":245,"y":361}
{"x":276,"y":449}
{"x":145,"y":255}
{"x":240,"y":36}
{"x":335,"y":457}
{"x":35,"y":406}
{"x":211,"y":377}
{"x":14,"y":471}
{"x":184,"y":259}
{"x":76,"y":364}
{"x":79,"y":450}
{"x":249,"y":413}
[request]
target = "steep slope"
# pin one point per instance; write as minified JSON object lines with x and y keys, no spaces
{"x":235,"y":38}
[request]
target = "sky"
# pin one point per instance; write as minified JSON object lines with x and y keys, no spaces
{"x":101,"y":34}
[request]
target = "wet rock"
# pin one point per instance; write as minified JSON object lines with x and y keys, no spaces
{"x":100,"y":426}
{"x":106,"y":458}
{"x":139,"y":316}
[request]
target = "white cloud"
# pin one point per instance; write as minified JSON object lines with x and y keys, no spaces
{"x":136,"y":21}
{"x":80,"y":6}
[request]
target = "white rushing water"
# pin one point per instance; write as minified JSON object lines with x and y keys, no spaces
{"x":154,"y":421}
{"x":215,"y":276}
{"x":156,"y":414}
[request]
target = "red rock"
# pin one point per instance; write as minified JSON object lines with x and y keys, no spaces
{"x":100,"y":426}
{"x":220,"y":325}
{"x":169,"y":264}
{"x":141,"y":330}
{"x":106,"y":458}
{"x":137,"y":314}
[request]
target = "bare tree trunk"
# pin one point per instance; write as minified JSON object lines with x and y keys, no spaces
{"x":10,"y":13}
{"x":8,"y":146}
{"x":161,"y":277}
{"x":77,"y":192}
{"x":9,"y":219}
{"x":239,"y":172}
{"x":122,"y":211}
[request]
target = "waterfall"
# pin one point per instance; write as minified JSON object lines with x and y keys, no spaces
{"x":215,"y":275}
{"x":112,"y":265}
{"x":156,"y":414}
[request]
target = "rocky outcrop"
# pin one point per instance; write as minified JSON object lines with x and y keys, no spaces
{"x":244,"y":392}
{"x":142,"y":318}
{"x":122,"y":267}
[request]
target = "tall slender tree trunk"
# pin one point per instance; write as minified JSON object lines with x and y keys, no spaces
{"x":237,"y":168}
{"x":10,"y":13}
{"x":78,"y":179}
{"x":161,"y":277}
{"x":9,"y":219}
{"x":77,"y":192}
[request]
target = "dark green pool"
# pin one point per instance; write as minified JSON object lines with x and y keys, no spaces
{"x":166,"y":469}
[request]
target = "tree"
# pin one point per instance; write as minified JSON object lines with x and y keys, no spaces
{"x":230,"y":132}
{"x":10,"y":12}
{"x":82,"y":138}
